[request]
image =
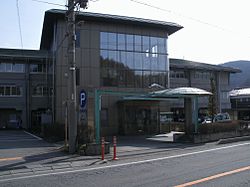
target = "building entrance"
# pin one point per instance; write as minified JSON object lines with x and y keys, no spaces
{"x":139,"y":119}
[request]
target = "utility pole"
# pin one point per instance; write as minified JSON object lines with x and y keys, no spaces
{"x":72,"y":105}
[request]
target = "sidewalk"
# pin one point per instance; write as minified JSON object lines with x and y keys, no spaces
{"x":54,"y":159}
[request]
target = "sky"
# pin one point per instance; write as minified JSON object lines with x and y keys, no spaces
{"x":215,"y":31}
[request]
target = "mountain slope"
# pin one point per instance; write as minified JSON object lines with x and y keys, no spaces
{"x":239,"y":80}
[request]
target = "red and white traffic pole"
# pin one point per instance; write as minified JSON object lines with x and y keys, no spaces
{"x":103,"y":148}
{"x":114,"y":144}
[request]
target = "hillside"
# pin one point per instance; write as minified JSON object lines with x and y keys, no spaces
{"x":239,"y":80}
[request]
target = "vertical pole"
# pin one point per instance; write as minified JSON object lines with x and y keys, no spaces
{"x":66,"y":124}
{"x":97,"y":116}
{"x":114,"y":144}
{"x":195,"y":114}
{"x":103,"y":148}
{"x":72,"y":78}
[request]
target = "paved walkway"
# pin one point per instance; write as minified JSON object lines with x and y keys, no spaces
{"x":22,"y":152}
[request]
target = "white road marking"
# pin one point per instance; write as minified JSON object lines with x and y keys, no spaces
{"x":125,"y":164}
{"x":33,"y":135}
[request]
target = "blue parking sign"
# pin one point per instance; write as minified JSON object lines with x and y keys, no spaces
{"x":83,"y":99}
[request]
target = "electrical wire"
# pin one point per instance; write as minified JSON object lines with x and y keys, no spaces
{"x":184,"y":16}
{"x":46,"y":2}
{"x":19,"y":24}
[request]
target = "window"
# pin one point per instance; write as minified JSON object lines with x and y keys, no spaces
{"x":138,"y":43}
{"x":129,"y":42}
{"x":38,"y":68}
{"x":18,"y":68}
{"x":12,"y":67}
{"x":128,"y":60}
{"x":162,"y":46}
{"x":10,"y":90}
{"x":178,"y":74}
{"x":112,"y":41}
{"x":138,"y":61}
{"x":104,"y":40}
{"x":145,"y":44}
{"x":40,"y":90}
{"x":121,"y":42}
{"x":202,"y":75}
{"x":8,"y":67}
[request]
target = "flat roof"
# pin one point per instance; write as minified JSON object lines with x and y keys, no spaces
{"x":186,"y":64}
{"x":23,"y":53}
{"x":240,"y":93}
{"x":52,"y":15}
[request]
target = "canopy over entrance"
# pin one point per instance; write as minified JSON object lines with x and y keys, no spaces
{"x":189,"y":94}
{"x":181,"y":92}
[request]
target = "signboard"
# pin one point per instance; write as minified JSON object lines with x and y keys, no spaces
{"x":83,"y":99}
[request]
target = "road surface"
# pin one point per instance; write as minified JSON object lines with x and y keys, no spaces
{"x":227,"y":165}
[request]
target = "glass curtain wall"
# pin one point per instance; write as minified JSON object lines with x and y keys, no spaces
{"x":128,"y":60}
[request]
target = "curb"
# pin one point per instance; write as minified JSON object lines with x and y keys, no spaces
{"x":235,"y":139}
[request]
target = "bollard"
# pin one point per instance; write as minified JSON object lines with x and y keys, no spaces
{"x":103,"y":148}
{"x":114,"y":144}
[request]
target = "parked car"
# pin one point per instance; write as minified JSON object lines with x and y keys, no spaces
{"x":221,"y":117}
{"x":207,"y":120}
{"x":13,"y":124}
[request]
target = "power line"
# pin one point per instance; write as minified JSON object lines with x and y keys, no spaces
{"x":19,"y":24}
{"x":184,"y":16}
{"x":49,"y":3}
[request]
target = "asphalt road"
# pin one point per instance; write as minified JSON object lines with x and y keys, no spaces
{"x":19,"y":148}
{"x":227,"y":165}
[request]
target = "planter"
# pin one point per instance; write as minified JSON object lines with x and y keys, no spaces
{"x":93,"y":149}
{"x":203,"y":138}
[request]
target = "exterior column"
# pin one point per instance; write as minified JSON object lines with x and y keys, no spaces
{"x":191,"y":115}
{"x":188,"y":107}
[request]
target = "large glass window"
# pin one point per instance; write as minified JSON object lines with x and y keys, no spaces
{"x":138,"y":61}
{"x":129,"y":60}
{"x":145,"y":44}
{"x":112,"y":41}
{"x":104,"y":40}
{"x":138,"y":43}
{"x":162,"y":45}
{"x":121,"y":41}
{"x":129,"y":42}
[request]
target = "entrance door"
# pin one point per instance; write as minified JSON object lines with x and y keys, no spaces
{"x":140,"y":120}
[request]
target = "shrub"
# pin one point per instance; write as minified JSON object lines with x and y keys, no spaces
{"x":218,"y":127}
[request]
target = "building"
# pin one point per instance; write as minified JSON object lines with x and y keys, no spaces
{"x":118,"y":56}
{"x":240,"y":99}
{"x":25,"y":87}
{"x":184,"y":73}
{"x":114,"y":53}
